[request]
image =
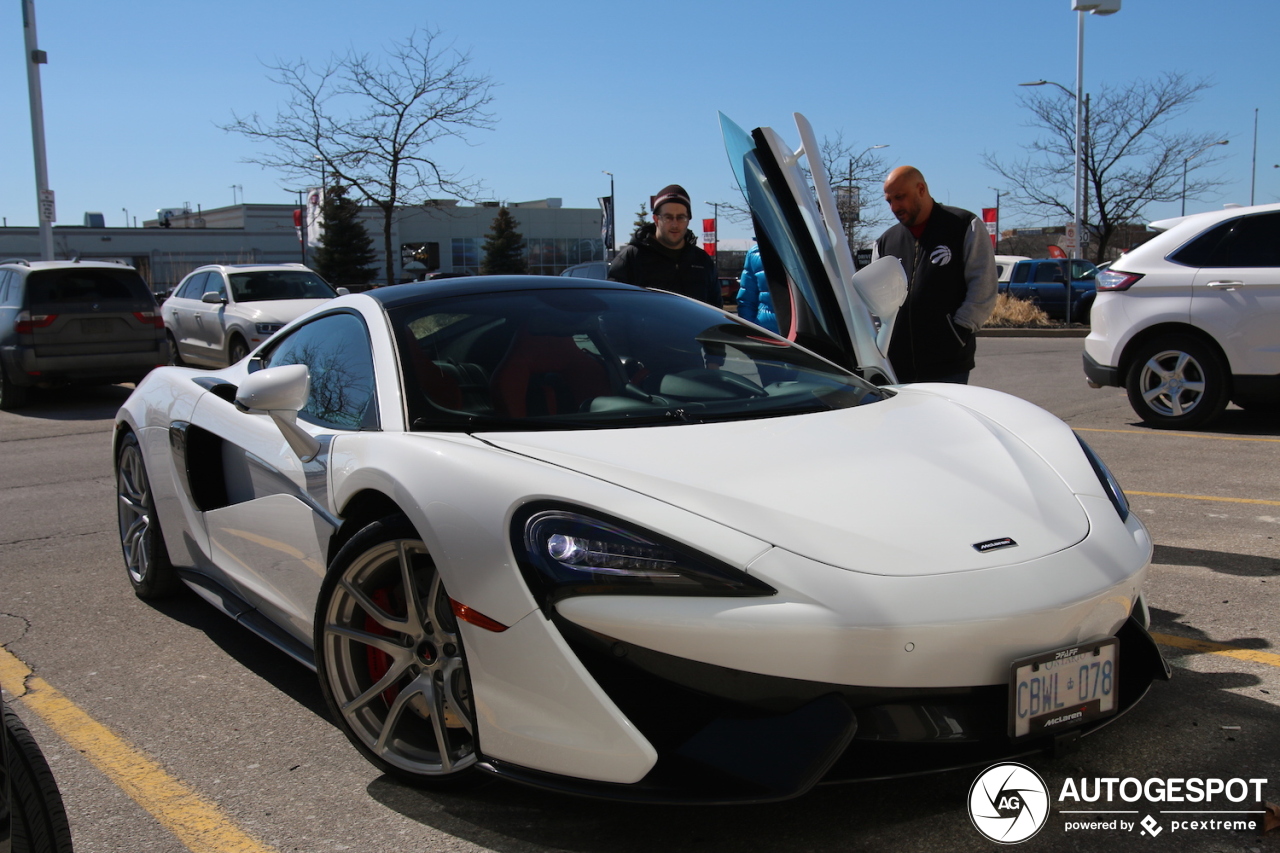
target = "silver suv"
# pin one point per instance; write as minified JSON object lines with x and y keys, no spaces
{"x":220,"y":312}
{"x":74,"y":321}
{"x":1191,"y":319}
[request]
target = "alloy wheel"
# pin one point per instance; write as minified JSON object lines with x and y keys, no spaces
{"x":393,"y":665}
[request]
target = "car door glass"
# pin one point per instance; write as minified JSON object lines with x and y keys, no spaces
{"x":194,"y":288}
{"x":1254,"y":241}
{"x":335,"y":349}
{"x":215,"y":284}
{"x":1200,"y":252}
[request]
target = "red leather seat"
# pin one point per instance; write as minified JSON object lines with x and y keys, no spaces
{"x":546,"y":375}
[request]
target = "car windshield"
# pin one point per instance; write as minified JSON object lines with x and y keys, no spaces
{"x":1083,"y":271}
{"x":599,"y":358}
{"x":263,"y":285}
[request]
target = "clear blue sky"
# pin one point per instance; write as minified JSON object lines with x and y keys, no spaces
{"x":134,"y":92}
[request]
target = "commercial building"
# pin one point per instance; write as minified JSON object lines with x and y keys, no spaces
{"x":443,"y":236}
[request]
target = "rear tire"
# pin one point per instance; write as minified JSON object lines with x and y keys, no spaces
{"x":1177,"y":382}
{"x":175,"y":357}
{"x":11,"y":396}
{"x":38,"y":814}
{"x":146,"y":559}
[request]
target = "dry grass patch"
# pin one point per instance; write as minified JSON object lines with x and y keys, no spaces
{"x":1016,"y":312}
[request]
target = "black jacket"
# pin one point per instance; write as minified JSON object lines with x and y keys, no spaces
{"x":927,"y":343}
{"x":688,"y":270}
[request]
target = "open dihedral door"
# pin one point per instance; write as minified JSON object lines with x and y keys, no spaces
{"x":845,"y":316}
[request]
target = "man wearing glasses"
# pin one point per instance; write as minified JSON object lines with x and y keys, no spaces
{"x":664,"y":254}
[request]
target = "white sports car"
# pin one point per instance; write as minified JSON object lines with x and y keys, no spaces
{"x":612,"y":541}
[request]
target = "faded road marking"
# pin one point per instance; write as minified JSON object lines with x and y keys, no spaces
{"x":1206,"y":647}
{"x":197,"y":823}
{"x":1204,"y":498}
{"x":1180,"y":434}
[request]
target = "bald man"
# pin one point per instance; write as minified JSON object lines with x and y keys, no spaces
{"x":951,"y":281}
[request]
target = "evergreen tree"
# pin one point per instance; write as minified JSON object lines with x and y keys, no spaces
{"x":345,"y":254}
{"x":503,"y":247}
{"x":642,"y":219}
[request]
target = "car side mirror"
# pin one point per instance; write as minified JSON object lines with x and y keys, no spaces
{"x":213,"y":297}
{"x":279,"y":393}
{"x":342,"y":291}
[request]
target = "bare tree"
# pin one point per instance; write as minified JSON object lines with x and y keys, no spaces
{"x":369,"y":123}
{"x":1132,"y":158}
{"x":856,"y":179}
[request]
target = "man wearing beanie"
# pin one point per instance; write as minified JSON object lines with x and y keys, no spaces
{"x":664,"y":254}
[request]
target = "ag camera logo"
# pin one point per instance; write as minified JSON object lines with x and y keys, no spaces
{"x":1008,"y":803}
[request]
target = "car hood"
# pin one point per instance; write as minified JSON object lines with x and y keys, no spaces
{"x":276,"y":310}
{"x":911,"y":485}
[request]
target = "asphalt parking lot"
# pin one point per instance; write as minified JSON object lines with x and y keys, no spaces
{"x":170,"y":729}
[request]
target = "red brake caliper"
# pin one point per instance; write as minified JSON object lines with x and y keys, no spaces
{"x":378,"y":660}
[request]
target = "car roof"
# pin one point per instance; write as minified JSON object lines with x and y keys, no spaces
{"x":49,"y":265}
{"x":253,"y":267}
{"x":396,"y":295}
{"x":1212,"y":216}
{"x":1183,"y":229}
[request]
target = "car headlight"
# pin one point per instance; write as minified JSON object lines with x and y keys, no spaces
{"x":268,"y":328}
{"x":565,"y":553}
{"x":1109,"y":483}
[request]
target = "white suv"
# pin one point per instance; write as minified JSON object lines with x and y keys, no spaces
{"x":220,"y":312}
{"x":1191,"y":319}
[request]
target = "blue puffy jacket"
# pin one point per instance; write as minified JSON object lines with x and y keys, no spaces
{"x":755,"y":303}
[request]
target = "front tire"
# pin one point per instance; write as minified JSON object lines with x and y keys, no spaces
{"x":390,"y":659}
{"x":39,"y":818}
{"x":1177,"y":382}
{"x":237,"y":350}
{"x":146,"y":558}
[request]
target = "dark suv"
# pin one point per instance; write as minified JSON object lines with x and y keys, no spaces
{"x":75,"y":321}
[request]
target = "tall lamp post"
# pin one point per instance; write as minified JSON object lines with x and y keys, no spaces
{"x":849,"y":189}
{"x":44,"y":195}
{"x":1093,"y":7}
{"x":1184,"y":169}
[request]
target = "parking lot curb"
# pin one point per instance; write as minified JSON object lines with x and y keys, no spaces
{"x":1009,"y":332}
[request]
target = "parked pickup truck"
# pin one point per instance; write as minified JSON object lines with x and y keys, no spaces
{"x":1044,"y":282}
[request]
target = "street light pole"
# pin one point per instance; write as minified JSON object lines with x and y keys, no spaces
{"x":44,"y":195}
{"x":849,"y":221}
{"x":1184,"y":169}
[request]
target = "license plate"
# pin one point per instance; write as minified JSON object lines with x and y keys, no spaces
{"x":1063,"y":689}
{"x":96,"y":327}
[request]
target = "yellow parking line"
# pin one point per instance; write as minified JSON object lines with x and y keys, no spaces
{"x":1206,"y":647}
{"x":199,"y":824}
{"x":1203,"y":498}
{"x":1180,"y":434}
